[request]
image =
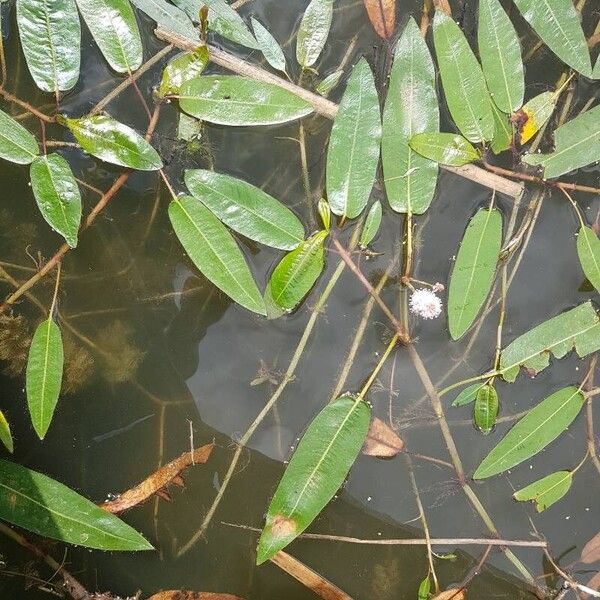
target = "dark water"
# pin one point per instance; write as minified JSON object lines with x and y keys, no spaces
{"x":163,"y":347}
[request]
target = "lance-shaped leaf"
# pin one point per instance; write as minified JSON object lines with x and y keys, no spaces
{"x":329,"y":83}
{"x":588,"y":250}
{"x":534,"y":114}
{"x":557,"y":23}
{"x":51,"y":39}
{"x":246,"y":209}
{"x":236,"y":100}
{"x":168,"y":16}
{"x":353,"y":151}
{"x":577,"y":328}
{"x":424,"y":592}
{"x":540,"y":426}
{"x":411,"y":107}
{"x":503,"y":131}
{"x":500,"y":53}
{"x":444,"y":148}
{"x":382,"y":14}
{"x":5,"y":434}
{"x":372,"y":224}
{"x":214,"y":251}
{"x":316,"y":471}
{"x":297,"y":272}
{"x":16,"y":143}
{"x":546,"y":491}
{"x":44,"y":374}
{"x":464,"y":85}
{"x":116,"y":143}
{"x":181,"y":69}
{"x":468,"y":395}
{"x":114,"y":28}
{"x":313,"y":31}
{"x":485,"y":410}
{"x":269,"y":46}
{"x":57,"y":195}
{"x":37,"y":503}
{"x":576,"y":145}
{"x":473,"y":272}
{"x":596,"y":73}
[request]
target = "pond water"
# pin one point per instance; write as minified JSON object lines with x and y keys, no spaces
{"x":157,"y":347}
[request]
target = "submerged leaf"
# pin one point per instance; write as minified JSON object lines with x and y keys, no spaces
{"x":382,"y":441}
{"x":382,"y":14}
{"x":588,"y":250}
{"x":313,"y":32}
{"x":5,"y":434}
{"x":16,"y":143}
{"x":485,"y":410}
{"x":444,"y":148}
{"x":372,"y":224}
{"x":546,"y":491}
{"x":181,"y":69}
{"x":326,"y":85}
{"x":534,"y":114}
{"x":269,"y":46}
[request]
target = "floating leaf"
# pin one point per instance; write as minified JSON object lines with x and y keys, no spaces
{"x":236,"y":100}
{"x":468,"y":395}
{"x":325,"y":86}
{"x":168,"y":16}
{"x":485,"y":410}
{"x":546,"y":491}
{"x":534,"y":114}
{"x":577,"y":328}
{"x":372,"y":224}
{"x":5,"y":434}
{"x":503,"y":131}
{"x":316,"y":471}
{"x":268,"y":46}
{"x":500,"y":53}
{"x":16,"y":143}
{"x":591,"y":551}
{"x":382,"y":441}
{"x":111,"y":141}
{"x":181,"y":69}
{"x":444,"y":148}
{"x":557,"y":23}
{"x":353,"y":151}
{"x":297,"y":272}
{"x":313,"y":32}
{"x":114,"y":28}
{"x":464,"y":85}
{"x":51,"y":39}
{"x":474,"y":270}
{"x":576,"y":145}
{"x":246,"y":209}
{"x":424,"y":589}
{"x":411,"y":107}
{"x":588,"y":250}
{"x":37,"y":503}
{"x":540,"y":426}
{"x":57,"y":195}
{"x":382,"y":14}
{"x":214,"y":251}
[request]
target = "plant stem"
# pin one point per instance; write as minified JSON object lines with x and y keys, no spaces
{"x":378,"y":367}
{"x":25,"y":105}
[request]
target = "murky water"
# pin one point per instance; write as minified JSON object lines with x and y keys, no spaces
{"x":157,"y":346}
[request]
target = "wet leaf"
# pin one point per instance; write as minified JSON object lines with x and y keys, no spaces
{"x":444,"y":148}
{"x":269,"y":46}
{"x":16,"y":143}
{"x":424,"y":589}
{"x":57,"y":195}
{"x":596,"y":73}
{"x":503,"y":131}
{"x":534,"y":114}
{"x":316,"y":471}
{"x":591,"y":551}
{"x":546,"y":491}
{"x":168,"y":16}
{"x":382,"y":14}
{"x":5,"y":434}
{"x":44,"y":375}
{"x":326,"y":85}
{"x":451,"y":594}
{"x":214,"y":252}
{"x":577,"y":328}
{"x":236,"y":100}
{"x":382,"y":441}
{"x":485,"y":410}
{"x":468,"y":395}
{"x":576,"y":145}
{"x":474,"y":270}
{"x":411,"y":107}
{"x":51,"y":39}
{"x":588,"y":250}
{"x":372,"y":224}
{"x":557,"y":23}
{"x":37,"y":503}
{"x":313,"y":31}
{"x":464,"y":85}
{"x":114,"y":28}
{"x":296,"y":273}
{"x":111,"y":141}
{"x":324,"y":213}
{"x":187,"y":595}
{"x":538,"y":428}
{"x":353,"y":151}
{"x":182,"y":69}
{"x":246,"y":209}
{"x":500,"y":53}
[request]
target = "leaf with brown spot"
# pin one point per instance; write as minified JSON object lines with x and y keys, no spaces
{"x":451,"y":594}
{"x":382,"y":441}
{"x":591,"y":551}
{"x":185,"y":595}
{"x":382,"y":14}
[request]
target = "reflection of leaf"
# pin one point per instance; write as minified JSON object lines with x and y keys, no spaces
{"x":382,"y":14}
{"x":546,"y":491}
{"x":382,"y":441}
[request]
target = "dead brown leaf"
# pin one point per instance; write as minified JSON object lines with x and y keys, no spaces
{"x":184,"y":595}
{"x":443,"y":5}
{"x":382,"y":441}
{"x":156,"y":484}
{"x":382,"y":14}
{"x":594,"y":582}
{"x":591,"y":551}
{"x":452,"y":594}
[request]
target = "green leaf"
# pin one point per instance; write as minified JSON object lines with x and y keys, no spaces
{"x":596,"y":73}
{"x":588,"y":250}
{"x":540,"y":426}
{"x":5,"y":434}
{"x":168,"y":16}
{"x":353,"y":151}
{"x":444,"y":148}
{"x":468,"y":395}
{"x":297,"y":272}
{"x":411,"y":107}
{"x":214,"y":251}
{"x":577,"y":328}
{"x":236,"y":100}
{"x":316,"y":471}
{"x":557,"y":23}
{"x":424,"y":589}
{"x":503,"y":131}
{"x":57,"y":195}
{"x":44,"y":374}
{"x":246,"y":209}
{"x":485,"y":410}
{"x":576,"y":145}
{"x":325,"y":213}
{"x":48,"y":508}
{"x":313,"y":31}
{"x":464,"y":85}
{"x":546,"y":491}
{"x":372,"y":224}
{"x":474,"y":270}
{"x":536,"y":112}
{"x":326,"y":85}
{"x":268,"y":46}
{"x":51,"y":39}
{"x":111,"y":141}
{"x":189,"y":129}
{"x":114,"y":28}
{"x":16,"y":143}
{"x":182,"y":69}
{"x":500,"y":53}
